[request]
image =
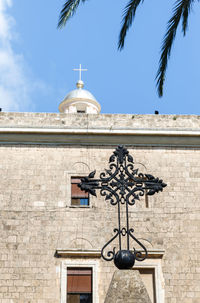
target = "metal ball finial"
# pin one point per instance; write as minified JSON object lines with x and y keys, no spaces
{"x":124,"y":259}
{"x":80,"y":84}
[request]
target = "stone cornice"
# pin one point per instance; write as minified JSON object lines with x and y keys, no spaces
{"x":100,"y":136}
{"x":93,"y":253}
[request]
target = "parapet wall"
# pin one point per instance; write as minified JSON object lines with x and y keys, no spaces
{"x":186,"y":122}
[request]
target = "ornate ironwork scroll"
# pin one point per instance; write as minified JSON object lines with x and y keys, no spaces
{"x":122,"y":184}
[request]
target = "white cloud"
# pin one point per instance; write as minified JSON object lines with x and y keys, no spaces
{"x":15,"y":85}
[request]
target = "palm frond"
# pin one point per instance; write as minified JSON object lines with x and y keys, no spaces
{"x":181,"y":7}
{"x":186,"y":11}
{"x":128,"y":16}
{"x":68,"y":10}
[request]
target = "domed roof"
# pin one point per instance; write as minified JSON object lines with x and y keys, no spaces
{"x":79,"y":100}
{"x":80,"y":93}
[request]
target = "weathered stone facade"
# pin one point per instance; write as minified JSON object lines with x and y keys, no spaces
{"x":127,"y":286}
{"x":39,"y":154}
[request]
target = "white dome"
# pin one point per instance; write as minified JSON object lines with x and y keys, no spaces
{"x":80,"y":101}
{"x":80,"y":94}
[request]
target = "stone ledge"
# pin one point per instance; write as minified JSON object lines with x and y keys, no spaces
{"x":92,"y":137}
{"x":93,"y":253}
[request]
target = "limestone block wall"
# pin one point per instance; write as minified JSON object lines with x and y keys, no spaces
{"x":36,"y":218}
{"x":187,"y":122}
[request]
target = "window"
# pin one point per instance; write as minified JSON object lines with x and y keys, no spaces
{"x":78,"y":197}
{"x":80,"y":263}
{"x":79,"y":285}
{"x":148,"y":278}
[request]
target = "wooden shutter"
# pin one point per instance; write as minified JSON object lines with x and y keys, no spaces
{"x":76,"y":192}
{"x":79,"y":280}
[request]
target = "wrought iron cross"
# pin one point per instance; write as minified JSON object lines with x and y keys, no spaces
{"x":122,"y":185}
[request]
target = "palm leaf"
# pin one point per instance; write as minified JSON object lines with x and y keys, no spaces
{"x":181,"y":10}
{"x":186,"y":11}
{"x":128,"y":16}
{"x":68,"y":10}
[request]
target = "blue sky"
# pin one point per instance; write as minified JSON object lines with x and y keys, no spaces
{"x":37,"y":60}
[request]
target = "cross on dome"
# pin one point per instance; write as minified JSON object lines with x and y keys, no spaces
{"x":80,"y":70}
{"x":80,"y":100}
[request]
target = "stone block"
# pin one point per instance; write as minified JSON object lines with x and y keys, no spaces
{"x":127,"y":286}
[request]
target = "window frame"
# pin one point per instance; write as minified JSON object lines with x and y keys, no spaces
{"x":68,"y":193}
{"x":79,"y":263}
{"x":154,"y":264}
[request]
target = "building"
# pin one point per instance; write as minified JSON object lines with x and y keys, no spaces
{"x":52,"y":234}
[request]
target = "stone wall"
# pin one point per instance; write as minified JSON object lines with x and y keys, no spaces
{"x":127,"y":286}
{"x":36,"y":217}
{"x":101,"y":120}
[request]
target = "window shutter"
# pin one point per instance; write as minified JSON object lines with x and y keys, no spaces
{"x":76,"y":192}
{"x":79,"y":280}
